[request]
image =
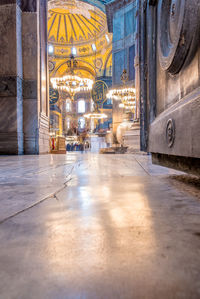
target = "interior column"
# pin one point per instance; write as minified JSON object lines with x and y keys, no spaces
{"x":11,"y":107}
{"x":35,"y":74}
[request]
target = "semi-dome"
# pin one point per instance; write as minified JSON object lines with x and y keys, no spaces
{"x":74,"y":22}
{"x":78,"y":28}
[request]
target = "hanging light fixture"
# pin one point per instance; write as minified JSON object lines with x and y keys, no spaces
{"x":95,"y":115}
{"x":127,"y":97}
{"x":72,"y":83}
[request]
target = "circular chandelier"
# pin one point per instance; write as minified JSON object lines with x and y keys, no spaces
{"x":72,"y":84}
{"x":129,"y":105}
{"x":126,"y":95}
{"x":95,"y":115}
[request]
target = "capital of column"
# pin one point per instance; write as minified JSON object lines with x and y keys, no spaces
{"x":25,"y":5}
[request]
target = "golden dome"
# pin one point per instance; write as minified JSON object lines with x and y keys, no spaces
{"x":79,"y":25}
{"x":74,"y":22}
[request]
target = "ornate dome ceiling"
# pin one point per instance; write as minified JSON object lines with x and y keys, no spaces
{"x":74,"y":22}
{"x":80,"y":25}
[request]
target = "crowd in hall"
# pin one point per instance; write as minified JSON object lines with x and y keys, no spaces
{"x":77,"y":147}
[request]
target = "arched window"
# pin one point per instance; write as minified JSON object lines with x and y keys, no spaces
{"x":68,"y":123}
{"x":81,"y":106}
{"x":92,"y":106}
{"x":73,"y":51}
{"x":81,"y":122}
{"x":68,"y":106}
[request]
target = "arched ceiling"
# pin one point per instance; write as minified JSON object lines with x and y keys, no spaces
{"x":74,"y":22}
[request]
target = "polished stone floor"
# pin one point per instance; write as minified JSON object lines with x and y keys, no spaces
{"x":88,"y":226}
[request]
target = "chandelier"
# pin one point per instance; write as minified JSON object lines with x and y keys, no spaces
{"x":96,"y":114}
{"x":126,"y":95}
{"x":72,"y":83}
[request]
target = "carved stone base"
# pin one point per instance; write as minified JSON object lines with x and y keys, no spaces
{"x":11,"y":143}
{"x":176,"y":131}
{"x":132,"y":138}
{"x":186,"y":164}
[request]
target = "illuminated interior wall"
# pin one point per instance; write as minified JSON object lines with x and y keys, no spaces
{"x":124,"y":30}
{"x":83,"y":27}
{"x":79,"y":28}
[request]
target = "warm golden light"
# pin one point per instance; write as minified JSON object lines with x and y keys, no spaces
{"x":72,"y":84}
{"x":127,"y":96}
{"x":125,"y":93}
{"x":95,"y":115}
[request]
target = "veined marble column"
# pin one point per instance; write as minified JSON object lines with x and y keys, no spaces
{"x":35,"y":75}
{"x":11,"y":107}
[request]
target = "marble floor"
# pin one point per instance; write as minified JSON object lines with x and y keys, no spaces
{"x":89,"y":226}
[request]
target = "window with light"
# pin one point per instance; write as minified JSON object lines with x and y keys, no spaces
{"x":73,"y":51}
{"x":68,"y":123}
{"x":81,"y":122}
{"x":81,"y":106}
{"x":92,"y":106}
{"x":68,"y":106}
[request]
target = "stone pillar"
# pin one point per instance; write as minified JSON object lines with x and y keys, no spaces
{"x":43,"y":79}
{"x":24,"y":121}
{"x":35,"y":74}
{"x":11,"y":107}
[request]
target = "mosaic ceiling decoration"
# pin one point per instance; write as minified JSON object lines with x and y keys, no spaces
{"x":78,"y":25}
{"x":105,"y":1}
{"x":74,"y":22}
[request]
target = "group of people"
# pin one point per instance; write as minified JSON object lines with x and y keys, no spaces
{"x":77,"y":146}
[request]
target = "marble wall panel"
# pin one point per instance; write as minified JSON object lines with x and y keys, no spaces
{"x":8,"y":40}
{"x":129,"y":22}
{"x":11,"y":134}
{"x":8,"y":108}
{"x":11,"y":121}
{"x":120,"y":62}
{"x":29,"y":45}
{"x":11,"y":144}
{"x":30,"y":126}
{"x":28,"y":5}
{"x":131,"y":66}
{"x":11,"y":111}
{"x":43,"y":134}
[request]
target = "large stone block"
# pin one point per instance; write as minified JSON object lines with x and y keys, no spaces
{"x":30,"y":45}
{"x":10,"y":41}
{"x":176,"y":131}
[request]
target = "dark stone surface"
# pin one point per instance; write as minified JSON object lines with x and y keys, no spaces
{"x":170,"y":66}
{"x":25,"y":5}
{"x":152,"y":2}
{"x":177,"y":28}
{"x":29,"y":5}
{"x":3,"y":2}
{"x":186,"y":164}
{"x":29,"y":89}
{"x":10,"y":86}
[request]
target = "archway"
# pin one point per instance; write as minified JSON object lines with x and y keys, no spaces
{"x":24,"y":73}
